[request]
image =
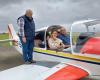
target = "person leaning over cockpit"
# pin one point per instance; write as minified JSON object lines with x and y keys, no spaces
{"x":64,"y":36}
{"x":54,"y":42}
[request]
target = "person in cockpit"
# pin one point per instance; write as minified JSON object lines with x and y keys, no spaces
{"x":64,"y":36}
{"x":54,"y":42}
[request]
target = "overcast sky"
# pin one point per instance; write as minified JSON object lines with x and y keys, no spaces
{"x":47,"y":12}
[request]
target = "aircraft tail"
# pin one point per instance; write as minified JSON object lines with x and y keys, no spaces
{"x":14,"y":37}
{"x":12,"y":33}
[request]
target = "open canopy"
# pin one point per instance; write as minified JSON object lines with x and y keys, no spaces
{"x":87,"y":22}
{"x":85,"y":35}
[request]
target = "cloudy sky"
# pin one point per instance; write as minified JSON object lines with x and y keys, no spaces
{"x":47,"y":12}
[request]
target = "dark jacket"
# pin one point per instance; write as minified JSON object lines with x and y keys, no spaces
{"x":29,"y":27}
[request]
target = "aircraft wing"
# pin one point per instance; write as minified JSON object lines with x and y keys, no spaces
{"x":63,"y":72}
{"x":23,"y":72}
{"x":37,"y":72}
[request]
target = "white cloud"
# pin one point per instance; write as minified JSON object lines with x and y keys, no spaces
{"x":49,"y":11}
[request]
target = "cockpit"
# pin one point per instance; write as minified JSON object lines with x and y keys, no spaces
{"x":81,"y":38}
{"x":86,"y":37}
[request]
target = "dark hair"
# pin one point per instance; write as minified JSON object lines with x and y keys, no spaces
{"x":53,"y":30}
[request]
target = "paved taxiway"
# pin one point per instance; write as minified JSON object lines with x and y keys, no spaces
{"x":10,"y":58}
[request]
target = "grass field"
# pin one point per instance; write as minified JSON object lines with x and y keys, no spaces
{"x":2,"y":37}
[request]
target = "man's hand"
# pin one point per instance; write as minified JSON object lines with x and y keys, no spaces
{"x":24,"y":39}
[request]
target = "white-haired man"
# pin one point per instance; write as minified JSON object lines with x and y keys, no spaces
{"x":27,"y":34}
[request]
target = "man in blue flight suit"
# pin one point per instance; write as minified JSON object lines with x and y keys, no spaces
{"x":27,"y":33}
{"x":64,"y":36}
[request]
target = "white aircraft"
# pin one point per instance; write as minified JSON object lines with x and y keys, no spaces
{"x":80,"y":60}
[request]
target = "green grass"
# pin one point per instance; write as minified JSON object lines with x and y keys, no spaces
{"x":75,"y":36}
{"x":2,"y":37}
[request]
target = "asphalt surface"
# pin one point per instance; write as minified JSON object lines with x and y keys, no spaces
{"x":9,"y":58}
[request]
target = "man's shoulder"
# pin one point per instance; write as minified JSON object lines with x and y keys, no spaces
{"x":68,"y":36}
{"x":21,"y":17}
